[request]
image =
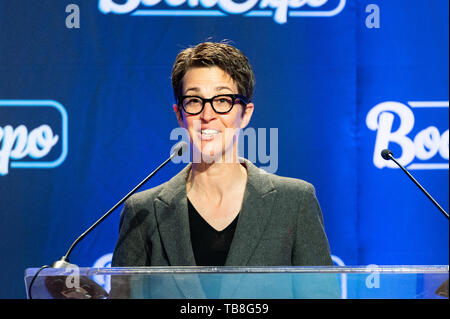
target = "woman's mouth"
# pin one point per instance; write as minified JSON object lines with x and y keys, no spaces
{"x":208,"y":134}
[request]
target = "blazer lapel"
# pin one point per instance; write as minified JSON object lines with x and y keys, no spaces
{"x":255,"y":212}
{"x":173,"y":220}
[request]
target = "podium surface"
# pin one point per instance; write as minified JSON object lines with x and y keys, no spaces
{"x":327,"y":282}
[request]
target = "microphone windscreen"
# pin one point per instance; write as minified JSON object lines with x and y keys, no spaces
{"x":180,"y":148}
{"x":386,"y":154}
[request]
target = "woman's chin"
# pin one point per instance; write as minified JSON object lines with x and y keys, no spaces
{"x":209,"y":155}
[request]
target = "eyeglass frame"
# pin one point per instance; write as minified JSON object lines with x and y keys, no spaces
{"x":244,"y":101}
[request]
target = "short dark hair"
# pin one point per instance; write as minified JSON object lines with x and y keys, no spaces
{"x":220,"y":54}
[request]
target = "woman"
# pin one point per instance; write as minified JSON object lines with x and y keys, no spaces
{"x":220,"y":210}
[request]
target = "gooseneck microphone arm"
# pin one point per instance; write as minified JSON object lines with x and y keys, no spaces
{"x":91,"y":287}
{"x":179,"y":149}
{"x":387,"y":155}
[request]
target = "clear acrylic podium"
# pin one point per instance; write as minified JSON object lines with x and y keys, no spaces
{"x":333,"y":282}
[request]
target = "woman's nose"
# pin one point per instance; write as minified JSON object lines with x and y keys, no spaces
{"x":208,"y":112}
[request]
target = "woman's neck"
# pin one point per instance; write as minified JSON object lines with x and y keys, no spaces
{"x":216,"y":180}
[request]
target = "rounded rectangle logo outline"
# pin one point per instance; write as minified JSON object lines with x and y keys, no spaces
{"x":65,"y":123}
{"x":404,"y":110}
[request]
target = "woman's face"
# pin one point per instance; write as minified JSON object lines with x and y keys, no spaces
{"x":213,"y":136}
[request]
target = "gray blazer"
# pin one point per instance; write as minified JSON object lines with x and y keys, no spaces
{"x":280,"y":224}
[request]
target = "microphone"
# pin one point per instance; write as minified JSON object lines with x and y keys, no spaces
{"x":178,"y":150}
{"x":387,"y":155}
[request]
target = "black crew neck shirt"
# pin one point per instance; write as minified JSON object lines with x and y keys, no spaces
{"x":210,"y":246}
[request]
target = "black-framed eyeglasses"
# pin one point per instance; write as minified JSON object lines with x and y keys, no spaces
{"x":221,"y":104}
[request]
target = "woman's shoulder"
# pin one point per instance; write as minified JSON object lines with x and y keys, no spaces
{"x":291,"y":182}
{"x":165,"y":191}
{"x":293,"y":187}
{"x":287,"y":184}
{"x":143,"y":197}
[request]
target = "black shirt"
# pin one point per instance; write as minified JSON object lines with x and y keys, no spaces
{"x":210,"y":246}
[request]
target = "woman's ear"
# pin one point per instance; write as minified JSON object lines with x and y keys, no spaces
{"x":177,"y":111}
{"x":247,"y":115}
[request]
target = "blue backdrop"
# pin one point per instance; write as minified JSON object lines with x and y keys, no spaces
{"x":85,"y":114}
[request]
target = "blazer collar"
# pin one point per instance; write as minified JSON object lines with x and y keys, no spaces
{"x":173,"y":220}
{"x":177,"y":185}
{"x":255,"y":212}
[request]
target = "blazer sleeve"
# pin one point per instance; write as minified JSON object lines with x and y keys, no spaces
{"x":131,"y":249}
{"x":311,"y":246}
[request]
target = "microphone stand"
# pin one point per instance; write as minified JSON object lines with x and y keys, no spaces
{"x":63,"y":262}
{"x":91,"y":289}
{"x":387,"y":155}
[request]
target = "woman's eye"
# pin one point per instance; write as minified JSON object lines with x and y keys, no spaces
{"x":193,"y":101}
{"x":223,"y":100}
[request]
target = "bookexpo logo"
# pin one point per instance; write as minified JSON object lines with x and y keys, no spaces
{"x":428,"y":149}
{"x":33,"y":134}
{"x":280,"y":10}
